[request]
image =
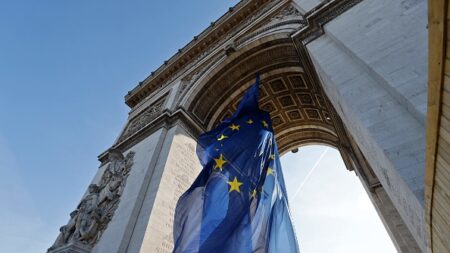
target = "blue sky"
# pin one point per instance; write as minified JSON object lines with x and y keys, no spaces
{"x":64,"y":69}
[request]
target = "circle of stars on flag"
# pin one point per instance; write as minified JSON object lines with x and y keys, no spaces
{"x":220,"y":161}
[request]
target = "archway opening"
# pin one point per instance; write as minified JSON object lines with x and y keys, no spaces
{"x":299,"y":107}
{"x":330,"y":208}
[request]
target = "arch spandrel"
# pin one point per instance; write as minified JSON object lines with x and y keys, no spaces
{"x":268,"y":53}
{"x":234,"y":50}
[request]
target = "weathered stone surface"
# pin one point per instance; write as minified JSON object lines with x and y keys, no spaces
{"x":368,"y":71}
{"x":175,"y":175}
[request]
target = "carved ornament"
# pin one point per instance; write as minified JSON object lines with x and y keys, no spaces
{"x":143,"y":119}
{"x":96,"y":209}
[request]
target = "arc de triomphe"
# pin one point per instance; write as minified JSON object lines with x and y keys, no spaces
{"x":351,"y":74}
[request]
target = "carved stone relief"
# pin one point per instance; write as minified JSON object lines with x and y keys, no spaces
{"x":287,"y":12}
{"x":144,"y":118}
{"x":96,"y":209}
{"x":287,"y":16}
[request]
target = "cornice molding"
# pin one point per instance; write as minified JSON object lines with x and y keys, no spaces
{"x":319,"y":16}
{"x":198,"y":47}
{"x":166,"y":119}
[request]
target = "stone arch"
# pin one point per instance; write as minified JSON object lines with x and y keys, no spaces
{"x":302,"y":113}
{"x":277,"y":32}
{"x":265,"y":44}
{"x":325,"y":80}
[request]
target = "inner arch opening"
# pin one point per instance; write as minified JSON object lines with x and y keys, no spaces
{"x":330,"y":208}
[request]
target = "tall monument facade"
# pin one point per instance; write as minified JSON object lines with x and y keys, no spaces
{"x":351,"y":74}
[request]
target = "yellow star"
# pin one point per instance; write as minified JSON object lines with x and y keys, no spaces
{"x":272,"y":157}
{"x":265,"y":124}
{"x":222,"y":137}
{"x":249,"y":121}
{"x":234,"y":127}
{"x":253,"y":195}
{"x":270,"y":171}
{"x":234,"y":185}
{"x":219,"y":162}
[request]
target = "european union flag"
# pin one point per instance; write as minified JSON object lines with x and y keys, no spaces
{"x":238,"y":203}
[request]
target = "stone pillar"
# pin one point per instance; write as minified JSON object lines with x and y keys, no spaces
{"x":164,"y":166}
{"x":174,"y":172}
{"x":372,"y":64}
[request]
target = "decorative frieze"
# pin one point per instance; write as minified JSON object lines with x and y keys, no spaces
{"x":287,"y":16}
{"x":287,"y":12}
{"x":143,"y":119}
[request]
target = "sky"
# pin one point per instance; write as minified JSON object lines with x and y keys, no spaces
{"x":65,"y":67}
{"x":331,"y":211}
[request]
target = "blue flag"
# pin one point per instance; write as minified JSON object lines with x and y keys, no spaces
{"x":238,"y":203}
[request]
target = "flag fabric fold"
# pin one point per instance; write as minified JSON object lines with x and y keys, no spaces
{"x":238,"y":203}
